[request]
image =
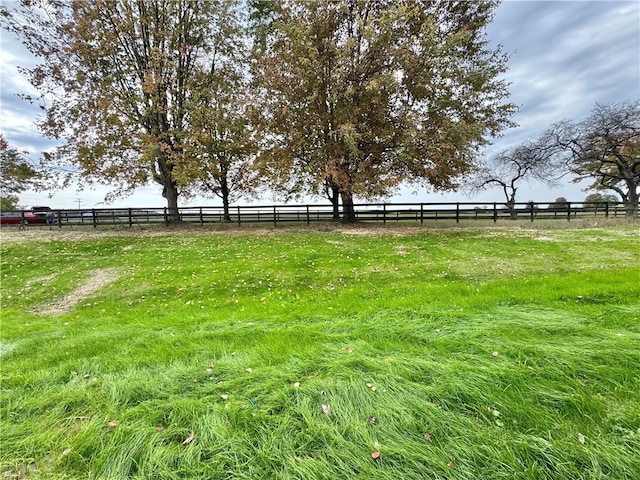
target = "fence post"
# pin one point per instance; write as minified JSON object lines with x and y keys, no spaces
{"x":308,"y":219}
{"x":568,"y":211}
{"x":531,"y":207}
{"x":201,"y":218}
{"x":384,"y":213}
{"x":457,"y":212}
{"x":60,"y":219}
{"x":94,"y":218}
{"x":421,"y":213}
{"x":130,"y":219}
{"x":495,"y":212}
{"x":238,"y":215}
{"x":275,"y":218}
{"x":606,"y":210}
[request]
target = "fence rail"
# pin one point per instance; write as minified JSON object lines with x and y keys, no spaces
{"x":290,"y":214}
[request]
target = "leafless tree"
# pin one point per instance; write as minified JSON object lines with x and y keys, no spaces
{"x":527,"y":162}
{"x":604,"y":148}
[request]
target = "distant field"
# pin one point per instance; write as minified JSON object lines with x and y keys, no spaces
{"x":508,"y":352}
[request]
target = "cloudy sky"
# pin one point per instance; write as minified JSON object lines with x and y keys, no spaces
{"x":565,"y":56}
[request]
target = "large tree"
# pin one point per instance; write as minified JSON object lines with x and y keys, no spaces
{"x":17,"y":174}
{"x":222,"y":146}
{"x":117,"y":77}
{"x":357,"y":96}
{"x":605,"y":148}
{"x":221,"y":140}
{"x":530,"y":161}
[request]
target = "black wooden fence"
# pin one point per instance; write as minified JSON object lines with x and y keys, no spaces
{"x":416,"y":213}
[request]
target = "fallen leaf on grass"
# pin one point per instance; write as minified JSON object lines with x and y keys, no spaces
{"x":451,"y":465}
{"x":249,"y":370}
{"x":495,"y":354}
{"x":375,"y":454}
{"x":189,"y":439}
{"x":224,"y":397}
{"x":427,"y":437}
{"x":581,"y":438}
{"x":326,"y":409}
{"x":112,"y":424}
{"x":350,"y":350}
{"x":159,"y":429}
{"x":296,"y":385}
{"x":372,"y":420}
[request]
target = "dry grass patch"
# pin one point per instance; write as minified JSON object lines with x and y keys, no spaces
{"x":97,"y":280}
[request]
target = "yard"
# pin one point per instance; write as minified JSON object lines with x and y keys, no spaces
{"x":495,"y":352}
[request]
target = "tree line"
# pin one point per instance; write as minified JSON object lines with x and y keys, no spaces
{"x":303,"y":97}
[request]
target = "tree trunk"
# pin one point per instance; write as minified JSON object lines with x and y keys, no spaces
{"x":224,"y":193}
{"x":335,"y":195}
{"x":633,"y":198}
{"x":170,"y":192}
{"x":511,"y":206}
{"x":348,"y":209}
{"x":510,"y":195}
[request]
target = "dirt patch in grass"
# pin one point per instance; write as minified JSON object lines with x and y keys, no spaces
{"x":97,"y":279}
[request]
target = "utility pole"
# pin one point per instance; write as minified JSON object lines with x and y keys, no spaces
{"x":79,"y":200}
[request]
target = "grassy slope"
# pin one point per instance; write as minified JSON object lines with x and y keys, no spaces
{"x":400,"y":326}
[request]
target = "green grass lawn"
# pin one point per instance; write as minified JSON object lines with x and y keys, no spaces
{"x":461,"y":353}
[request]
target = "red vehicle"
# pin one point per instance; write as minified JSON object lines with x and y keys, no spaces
{"x":35,"y":216}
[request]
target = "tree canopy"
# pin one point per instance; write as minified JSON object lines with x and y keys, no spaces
{"x":221,"y":143}
{"x":17,"y":174}
{"x":532,"y":160}
{"x":349,"y":98}
{"x":594,"y":199}
{"x":355,"y":97}
{"x":117,"y":78}
{"x":605,"y":147}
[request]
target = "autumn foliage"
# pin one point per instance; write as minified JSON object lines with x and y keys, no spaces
{"x":338,"y":98}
